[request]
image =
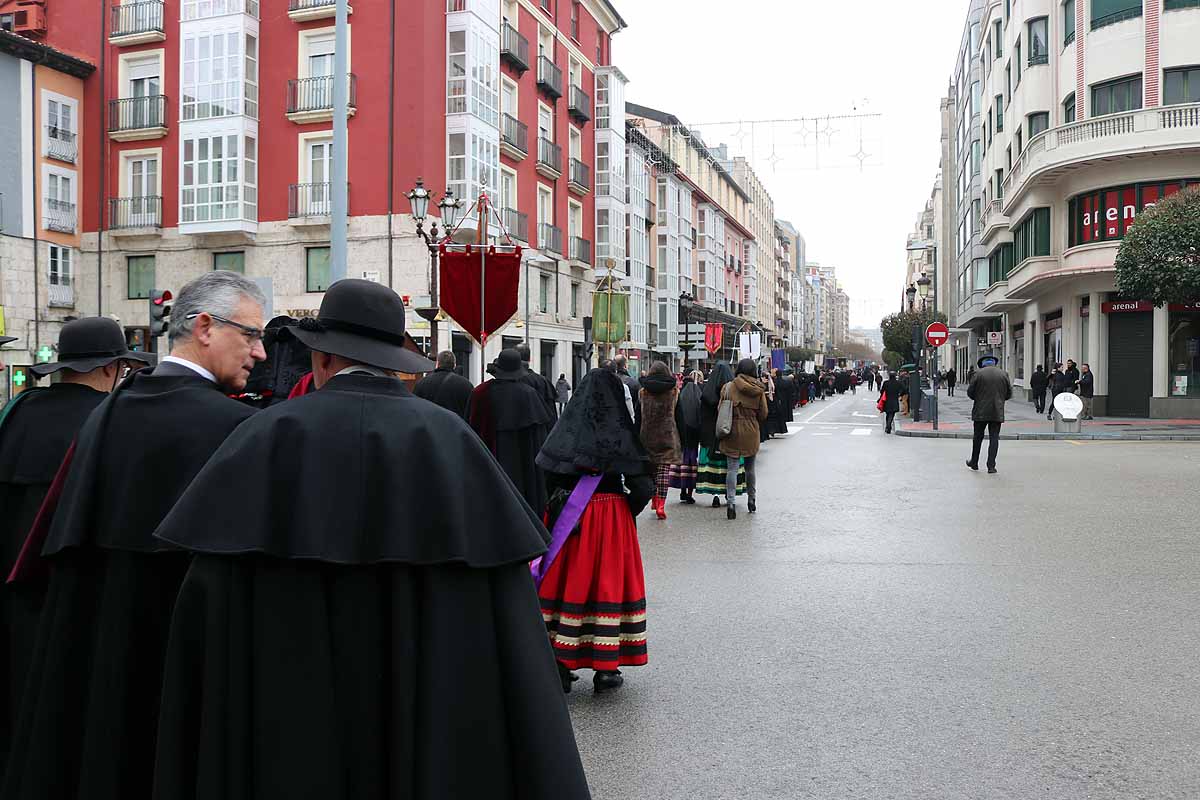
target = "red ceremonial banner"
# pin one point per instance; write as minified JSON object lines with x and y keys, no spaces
{"x":461,"y":275}
{"x":714,"y":334}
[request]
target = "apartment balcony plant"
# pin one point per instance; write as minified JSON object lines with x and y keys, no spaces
{"x":514,"y":137}
{"x":516,"y":223}
{"x":305,"y":10}
{"x":514,"y":48}
{"x":549,"y":159}
{"x":135,"y":216}
{"x":581,"y":250}
{"x":60,"y":144}
{"x":579,"y":104}
{"x":137,"y":23}
{"x":59,"y":215}
{"x":579,"y":177}
{"x":310,"y":203}
{"x":136,"y":118}
{"x":311,"y":99}
{"x":550,"y":238}
{"x":549,"y":78}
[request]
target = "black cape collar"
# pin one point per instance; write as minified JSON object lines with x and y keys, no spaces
{"x":369,"y":384}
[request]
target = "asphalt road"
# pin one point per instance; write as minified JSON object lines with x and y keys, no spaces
{"x":893,"y":625}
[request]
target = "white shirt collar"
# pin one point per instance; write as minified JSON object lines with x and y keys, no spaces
{"x":192,"y":365}
{"x":363,"y":369}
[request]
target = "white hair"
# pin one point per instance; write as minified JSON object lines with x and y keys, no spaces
{"x":218,"y":292}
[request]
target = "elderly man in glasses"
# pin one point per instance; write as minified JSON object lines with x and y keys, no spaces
{"x":88,"y":723}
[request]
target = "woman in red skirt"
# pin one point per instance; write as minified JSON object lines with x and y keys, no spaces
{"x":592,"y":591}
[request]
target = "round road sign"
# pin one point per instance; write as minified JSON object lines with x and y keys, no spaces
{"x":936,"y":334}
{"x":1069,"y":405}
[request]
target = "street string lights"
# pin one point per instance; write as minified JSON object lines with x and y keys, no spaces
{"x":449,"y":208}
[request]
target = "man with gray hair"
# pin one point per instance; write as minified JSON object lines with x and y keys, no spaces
{"x":88,"y":721}
{"x":445,"y":387}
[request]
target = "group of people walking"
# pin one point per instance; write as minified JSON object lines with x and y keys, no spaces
{"x":1063,"y":379}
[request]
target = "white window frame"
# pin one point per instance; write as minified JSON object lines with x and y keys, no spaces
{"x":63,"y":101}
{"x":60,"y":173}
{"x":55,"y":253}
{"x":125,"y":174}
{"x":543,"y":108}
{"x":574,"y":143}
{"x":191,"y":10}
{"x":304,"y":144}
{"x":574,"y":220}
{"x":245,"y":180}
{"x":239,"y":89}
{"x":503,"y":199}
{"x":509,"y":84}
{"x":548,"y":192}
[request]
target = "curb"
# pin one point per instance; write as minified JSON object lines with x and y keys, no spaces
{"x":1012,"y":437}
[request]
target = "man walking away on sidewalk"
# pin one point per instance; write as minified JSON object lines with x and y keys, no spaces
{"x":1037,"y":385}
{"x":951,"y":381}
{"x":1058,"y":383}
{"x":890,"y":391}
{"x":1087,"y":390}
{"x":990,"y":389}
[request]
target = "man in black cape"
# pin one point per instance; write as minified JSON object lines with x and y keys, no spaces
{"x":359,"y":621}
{"x":513,"y":422}
{"x":87,"y":722}
{"x":539,"y":383}
{"x":34,"y":437}
{"x":445,"y":387}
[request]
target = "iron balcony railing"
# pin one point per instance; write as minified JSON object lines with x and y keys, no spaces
{"x":580,"y":174}
{"x":316,"y":94}
{"x":1038,"y":58}
{"x":517,"y":224}
{"x":1120,"y":16}
{"x":514,"y":133}
{"x":137,"y":113}
{"x":60,"y":144}
{"x":309,"y":200}
{"x":135,"y":212}
{"x":305,"y":5}
{"x":62,"y":294}
{"x":514,"y":47}
{"x":129,"y":19}
{"x":579,"y":104}
{"x":60,"y":216}
{"x":581,"y":250}
{"x":549,"y":77}
{"x":550,"y":155}
{"x":550,"y":238}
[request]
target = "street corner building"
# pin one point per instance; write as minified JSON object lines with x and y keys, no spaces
{"x":388,"y":644}
{"x":1063,"y":122}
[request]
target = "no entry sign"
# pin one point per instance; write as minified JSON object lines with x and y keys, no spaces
{"x":936,"y":334}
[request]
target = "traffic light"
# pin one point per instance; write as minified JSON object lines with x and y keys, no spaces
{"x":159,"y":311}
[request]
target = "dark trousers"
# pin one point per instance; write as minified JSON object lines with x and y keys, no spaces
{"x":950,"y":389}
{"x":1039,"y":401}
{"x":993,"y":432}
{"x":891,"y":415}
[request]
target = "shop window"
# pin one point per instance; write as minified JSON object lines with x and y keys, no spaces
{"x":1184,"y":352}
{"x":1106,"y":214}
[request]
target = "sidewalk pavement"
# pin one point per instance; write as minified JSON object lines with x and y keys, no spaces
{"x":1023,"y":422}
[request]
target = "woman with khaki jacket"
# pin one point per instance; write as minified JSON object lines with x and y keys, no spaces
{"x":749,"y":399}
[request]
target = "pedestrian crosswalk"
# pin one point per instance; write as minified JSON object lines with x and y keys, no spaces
{"x":833,"y":429}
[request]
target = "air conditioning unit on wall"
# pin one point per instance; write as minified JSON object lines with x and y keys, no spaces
{"x":29,"y":19}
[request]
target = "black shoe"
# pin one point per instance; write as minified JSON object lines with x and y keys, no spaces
{"x":566,"y":676}
{"x":973,"y":466}
{"x":731,"y":511}
{"x":716,"y":502}
{"x":991,"y":470}
{"x":604,"y":681}
{"x":753,"y":506}
{"x":689,"y":500}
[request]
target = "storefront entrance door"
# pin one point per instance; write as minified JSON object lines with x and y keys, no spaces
{"x":1130,"y":364}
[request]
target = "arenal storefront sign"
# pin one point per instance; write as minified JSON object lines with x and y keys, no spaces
{"x":1128,"y":306}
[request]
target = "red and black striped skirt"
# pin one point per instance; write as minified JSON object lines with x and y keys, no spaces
{"x":594,"y":594}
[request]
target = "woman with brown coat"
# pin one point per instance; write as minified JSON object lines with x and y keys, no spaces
{"x":660,"y":429}
{"x":749,"y":398}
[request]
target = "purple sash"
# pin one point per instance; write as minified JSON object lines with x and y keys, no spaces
{"x":565,"y":523}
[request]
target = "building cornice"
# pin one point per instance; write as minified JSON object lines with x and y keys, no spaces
{"x":16,"y":45}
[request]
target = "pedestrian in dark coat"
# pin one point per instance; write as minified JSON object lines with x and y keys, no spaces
{"x":1058,"y":384}
{"x":711,"y":477}
{"x":540,"y":384}
{"x":660,"y":429}
{"x":1087,"y":390}
{"x":951,"y":381}
{"x":622,"y":365}
{"x":683,"y":474}
{"x":445,"y":387}
{"x":890,"y":390}
{"x":990,"y":389}
{"x":563,"y":388}
{"x":88,"y":724}
{"x":1038,"y":383}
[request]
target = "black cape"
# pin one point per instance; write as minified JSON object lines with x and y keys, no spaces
{"x":33,"y":440}
{"x":360,"y":622}
{"x":447,"y":389}
{"x":545,"y":391}
{"x":87,"y":722}
{"x":710,"y":399}
{"x":513,"y":422}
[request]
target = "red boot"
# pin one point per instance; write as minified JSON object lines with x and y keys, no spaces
{"x":660,"y":507}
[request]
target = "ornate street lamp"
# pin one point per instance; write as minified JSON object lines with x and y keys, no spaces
{"x":449,"y":207}
{"x":686,"y":301}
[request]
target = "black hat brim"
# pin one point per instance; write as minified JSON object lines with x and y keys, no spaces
{"x":88,"y":364}
{"x":364,"y":350}
{"x":6,"y":339}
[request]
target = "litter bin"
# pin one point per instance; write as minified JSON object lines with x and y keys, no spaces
{"x":928,"y":403}
{"x":1067,"y":408}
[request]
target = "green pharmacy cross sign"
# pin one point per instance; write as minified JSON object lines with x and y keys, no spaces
{"x":44,"y":353}
{"x":19,"y":379}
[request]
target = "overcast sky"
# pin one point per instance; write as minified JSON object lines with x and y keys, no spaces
{"x":718,"y":62}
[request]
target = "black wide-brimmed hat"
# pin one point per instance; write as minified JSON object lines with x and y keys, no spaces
{"x":6,"y":339}
{"x":362,"y":321}
{"x":88,"y":344}
{"x":508,"y":365}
